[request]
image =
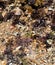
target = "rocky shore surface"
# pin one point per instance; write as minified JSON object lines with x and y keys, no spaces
{"x":27,"y":32}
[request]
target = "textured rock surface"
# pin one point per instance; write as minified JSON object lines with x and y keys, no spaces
{"x":27,"y":32}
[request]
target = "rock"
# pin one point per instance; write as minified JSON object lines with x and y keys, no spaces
{"x":4,"y":62}
{"x":49,"y":41}
{"x":48,"y":29}
{"x":2,"y":48}
{"x":1,"y":17}
{"x":17,"y":11}
{"x":53,"y":27}
{"x":49,"y":49}
{"x":48,"y":22}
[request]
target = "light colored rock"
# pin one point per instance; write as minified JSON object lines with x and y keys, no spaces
{"x":4,"y":62}
{"x":49,"y":49}
{"x":48,"y":22}
{"x":49,"y":41}
{"x":17,"y":11}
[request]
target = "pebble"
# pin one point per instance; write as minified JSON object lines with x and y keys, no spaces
{"x":49,"y":49}
{"x":1,"y":17}
{"x":11,"y":27}
{"x":50,"y":9}
{"x":16,"y":50}
{"x":15,"y":33}
{"x":49,"y":41}
{"x":4,"y":13}
{"x":48,"y":22}
{"x":48,"y":29}
{"x":12,"y":64}
{"x":18,"y":11}
{"x":4,"y":62}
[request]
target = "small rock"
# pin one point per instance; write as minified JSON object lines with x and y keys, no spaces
{"x":15,"y":33}
{"x":48,"y":29}
{"x":50,"y":9}
{"x":49,"y":49}
{"x":4,"y":62}
{"x":48,"y":22}
{"x":49,"y":41}
{"x":18,"y":11}
{"x":1,"y":17}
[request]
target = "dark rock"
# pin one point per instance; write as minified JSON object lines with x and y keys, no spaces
{"x":48,"y":46}
{"x":11,"y":1}
{"x":48,"y":36}
{"x":31,"y":2}
{"x":8,"y":49}
{"x":1,"y":57}
{"x":35,"y":15}
{"x":53,"y":23}
{"x":25,"y":42}
{"x":16,"y":21}
{"x":2,"y":5}
{"x":53,"y":27}
{"x":39,"y":23}
{"x":21,"y":55}
{"x":1,"y":17}
{"x":8,"y":16}
{"x":50,"y":2}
